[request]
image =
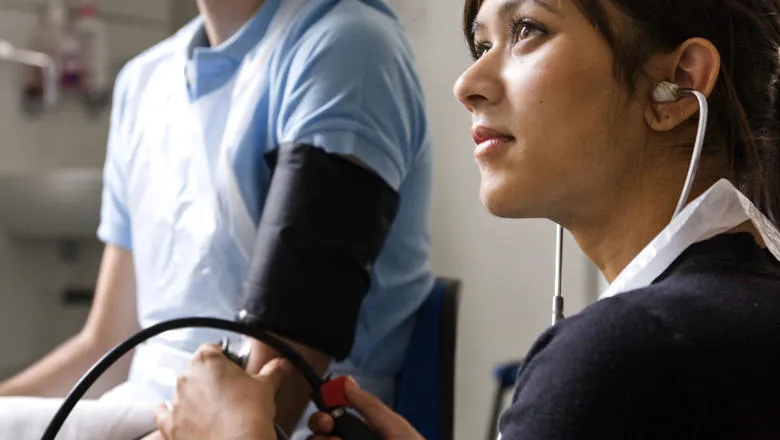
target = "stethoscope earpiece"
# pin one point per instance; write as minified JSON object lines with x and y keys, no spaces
{"x":666,"y":91}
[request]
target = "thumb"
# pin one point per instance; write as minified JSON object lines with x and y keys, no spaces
{"x":275,"y":372}
{"x":378,"y":415}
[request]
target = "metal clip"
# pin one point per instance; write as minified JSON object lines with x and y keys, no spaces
{"x":237,"y":351}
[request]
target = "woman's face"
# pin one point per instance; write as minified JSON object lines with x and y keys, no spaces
{"x":556,"y":133}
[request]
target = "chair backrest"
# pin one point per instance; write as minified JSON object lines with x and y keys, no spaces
{"x":426,"y":391}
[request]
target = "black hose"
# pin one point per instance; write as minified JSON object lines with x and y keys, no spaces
{"x":97,"y":370}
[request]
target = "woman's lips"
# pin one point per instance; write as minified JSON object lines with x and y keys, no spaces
{"x":488,"y":140}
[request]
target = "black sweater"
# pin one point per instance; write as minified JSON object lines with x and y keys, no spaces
{"x":696,"y":355}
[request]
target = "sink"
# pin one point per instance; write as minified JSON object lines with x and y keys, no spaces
{"x":50,"y":203}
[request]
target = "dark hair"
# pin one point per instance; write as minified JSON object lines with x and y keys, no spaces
{"x":745,"y":103}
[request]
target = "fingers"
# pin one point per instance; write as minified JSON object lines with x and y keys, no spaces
{"x":275,"y":372}
{"x":376,"y":413}
{"x":369,"y":405}
{"x":321,"y":423}
{"x":163,"y":420}
{"x":208,"y":352}
{"x":373,"y":410}
{"x":208,"y":361}
{"x":209,"y":357}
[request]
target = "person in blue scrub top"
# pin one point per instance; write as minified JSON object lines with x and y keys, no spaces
{"x":187,"y":176}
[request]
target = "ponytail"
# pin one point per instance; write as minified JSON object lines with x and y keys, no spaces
{"x":756,"y":147}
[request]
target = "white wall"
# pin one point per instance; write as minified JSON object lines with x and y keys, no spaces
{"x":32,"y":276}
{"x":182,"y":11}
{"x":506,"y":266}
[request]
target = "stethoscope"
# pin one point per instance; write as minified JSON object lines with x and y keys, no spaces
{"x":665,"y":92}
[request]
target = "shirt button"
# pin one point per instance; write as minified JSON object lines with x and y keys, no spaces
{"x":190,"y":73}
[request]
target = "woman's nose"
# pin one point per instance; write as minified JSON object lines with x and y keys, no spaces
{"x":479,"y":85}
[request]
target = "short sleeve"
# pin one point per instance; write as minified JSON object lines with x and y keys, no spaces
{"x":351,"y":89}
{"x":614,"y":373}
{"x":114,"y":227}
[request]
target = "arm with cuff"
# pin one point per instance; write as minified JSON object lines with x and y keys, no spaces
{"x":332,"y":200}
{"x":323,"y":226}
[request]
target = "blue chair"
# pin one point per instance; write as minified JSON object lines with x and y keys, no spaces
{"x":505,"y":375}
{"x":426,"y":391}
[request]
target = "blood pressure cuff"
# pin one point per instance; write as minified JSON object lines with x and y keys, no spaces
{"x":323,"y":225}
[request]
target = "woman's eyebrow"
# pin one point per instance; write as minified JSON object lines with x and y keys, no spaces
{"x":508,"y":6}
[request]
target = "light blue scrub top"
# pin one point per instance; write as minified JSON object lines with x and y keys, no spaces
{"x":341,"y":77}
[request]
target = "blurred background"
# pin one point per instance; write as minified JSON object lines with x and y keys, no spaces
{"x":51,"y":162}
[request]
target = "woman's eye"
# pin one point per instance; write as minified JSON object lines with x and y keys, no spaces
{"x":525,"y":32}
{"x":479,"y":49}
{"x":524,"y":28}
{"x":519,"y":29}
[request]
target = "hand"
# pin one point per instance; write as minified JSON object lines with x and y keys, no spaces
{"x":216,"y":399}
{"x":295,"y":393}
{"x":388,"y":424}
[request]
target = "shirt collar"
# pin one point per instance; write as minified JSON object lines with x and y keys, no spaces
{"x":251,"y":33}
{"x":719,"y":209}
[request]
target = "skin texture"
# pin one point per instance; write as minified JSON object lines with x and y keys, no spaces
{"x":223,"y":18}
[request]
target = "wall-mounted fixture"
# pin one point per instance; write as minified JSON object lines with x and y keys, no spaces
{"x":68,"y":57}
{"x":44,"y":62}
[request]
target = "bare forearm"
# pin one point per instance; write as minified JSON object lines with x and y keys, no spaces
{"x":294,"y":394}
{"x":291,"y":402}
{"x":111,"y":319}
{"x":55,"y":374}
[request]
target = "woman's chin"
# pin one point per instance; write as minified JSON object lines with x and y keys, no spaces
{"x":499,"y":206}
{"x":505,"y":201}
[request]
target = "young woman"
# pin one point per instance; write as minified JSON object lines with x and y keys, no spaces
{"x":575,"y":121}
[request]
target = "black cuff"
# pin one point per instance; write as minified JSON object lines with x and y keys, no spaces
{"x":324,"y":223}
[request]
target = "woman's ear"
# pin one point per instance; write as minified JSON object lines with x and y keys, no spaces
{"x":694,"y":65}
